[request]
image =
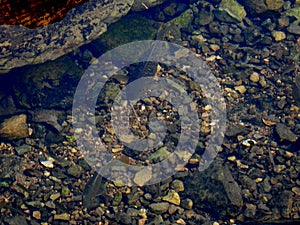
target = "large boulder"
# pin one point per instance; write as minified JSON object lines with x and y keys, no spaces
{"x":21,"y":46}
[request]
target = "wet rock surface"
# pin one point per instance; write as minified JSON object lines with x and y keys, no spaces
{"x":20,"y":46}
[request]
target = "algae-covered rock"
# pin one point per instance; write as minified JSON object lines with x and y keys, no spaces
{"x":75,"y":171}
{"x":131,"y":28}
{"x":294,"y":27}
{"x":172,"y":29}
{"x":160,"y":154}
{"x":230,"y":11}
{"x":294,"y":12}
{"x":47,"y":85}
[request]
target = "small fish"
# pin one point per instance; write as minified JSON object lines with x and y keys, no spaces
{"x":93,"y":189}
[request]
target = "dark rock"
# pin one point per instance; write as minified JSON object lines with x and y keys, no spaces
{"x":49,"y":85}
{"x":16,"y":220}
{"x":205,"y":15}
{"x":261,"y":6}
{"x":254,"y":6}
{"x":233,"y":130}
{"x":53,"y":137}
{"x":249,"y":183}
{"x":215,"y":189}
{"x":283,"y":202}
{"x":93,"y":189}
{"x":294,"y":28}
{"x":7,"y":105}
{"x":21,"y":150}
{"x":49,"y":117}
{"x":125,"y":218}
{"x":284,"y":133}
{"x":296,"y":90}
{"x":170,"y":10}
{"x":250,"y":211}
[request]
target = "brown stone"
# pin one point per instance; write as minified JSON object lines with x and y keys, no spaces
{"x":14,"y":127}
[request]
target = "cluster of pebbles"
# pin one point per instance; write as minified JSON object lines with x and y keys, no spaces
{"x":45,"y":179}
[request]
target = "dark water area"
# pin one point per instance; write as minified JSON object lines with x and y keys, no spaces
{"x":50,"y":171}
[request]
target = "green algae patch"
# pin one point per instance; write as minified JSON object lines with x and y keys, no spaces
{"x":130,"y":28}
{"x":294,"y":12}
{"x":230,"y":11}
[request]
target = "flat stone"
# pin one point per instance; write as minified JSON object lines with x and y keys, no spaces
{"x":23,"y":149}
{"x":235,"y":130}
{"x":296,"y":190}
{"x":160,"y":154}
{"x":63,"y":216}
{"x":279,"y":168}
{"x":285,"y":133}
{"x":142,"y":177}
{"x":65,"y":191}
{"x":160,"y":207}
{"x":50,"y":204}
{"x":14,"y":127}
{"x":35,"y":204}
{"x":16,"y":220}
{"x":55,"y":196}
{"x":75,"y":171}
{"x":47,"y":163}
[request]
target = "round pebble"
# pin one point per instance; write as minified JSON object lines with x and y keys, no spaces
{"x":278,"y":35}
{"x":254,"y":77}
